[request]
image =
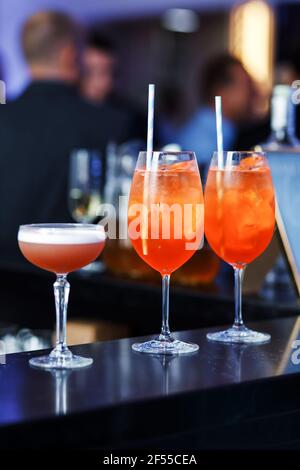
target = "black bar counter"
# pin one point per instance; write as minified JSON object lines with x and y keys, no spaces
{"x":224,"y":396}
{"x":26,"y":299}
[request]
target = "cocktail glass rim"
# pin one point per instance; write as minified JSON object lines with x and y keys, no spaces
{"x":62,"y":225}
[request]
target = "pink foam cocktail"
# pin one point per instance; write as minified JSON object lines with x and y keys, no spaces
{"x":61,"y":249}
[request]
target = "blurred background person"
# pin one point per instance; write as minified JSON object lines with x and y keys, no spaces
{"x":39,"y":130}
{"x":97,"y":84}
{"x":98,"y":68}
{"x":172,"y":113}
{"x":224,"y":76}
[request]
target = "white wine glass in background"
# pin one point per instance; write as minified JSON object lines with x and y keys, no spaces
{"x":85,"y":194}
{"x":120,"y":258}
{"x":85,"y":181}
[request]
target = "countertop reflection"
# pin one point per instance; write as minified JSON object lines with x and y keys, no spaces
{"x":120,"y":375}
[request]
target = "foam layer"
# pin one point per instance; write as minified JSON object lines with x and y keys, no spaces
{"x":61,"y":236}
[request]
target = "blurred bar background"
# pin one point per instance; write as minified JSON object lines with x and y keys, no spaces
{"x":167,"y":43}
{"x":180,"y":35}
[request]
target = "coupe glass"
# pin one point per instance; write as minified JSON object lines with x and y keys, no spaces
{"x":165,"y":225}
{"x":239,"y":223}
{"x":61,"y":249}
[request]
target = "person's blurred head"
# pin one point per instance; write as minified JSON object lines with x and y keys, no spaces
{"x":50,"y":44}
{"x":227,"y":77}
{"x":98,"y":64}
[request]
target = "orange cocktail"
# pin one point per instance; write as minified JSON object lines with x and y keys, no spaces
{"x":239,"y":223}
{"x":239,"y":212}
{"x":174,"y":216}
{"x":165,"y":225}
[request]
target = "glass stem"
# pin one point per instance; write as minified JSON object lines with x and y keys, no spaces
{"x":238,"y":281}
{"x":165,"y":330}
{"x":61,"y":294}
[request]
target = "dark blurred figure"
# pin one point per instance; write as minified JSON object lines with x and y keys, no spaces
{"x":40,"y":129}
{"x":98,"y":68}
{"x":224,"y":76}
{"x":171,"y":113}
{"x":99,"y":64}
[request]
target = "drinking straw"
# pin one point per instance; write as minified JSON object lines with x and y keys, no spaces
{"x":218,"y":107}
{"x":151,"y":94}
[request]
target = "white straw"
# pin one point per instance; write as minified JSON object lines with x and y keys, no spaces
{"x":151,"y":94}
{"x":218,"y":106}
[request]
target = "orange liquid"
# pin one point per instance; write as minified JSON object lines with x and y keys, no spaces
{"x":239,"y":213}
{"x":178,"y":184}
{"x":61,"y":258}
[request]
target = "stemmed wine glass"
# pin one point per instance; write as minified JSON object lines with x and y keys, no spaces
{"x":165,"y":225}
{"x":239,"y":223}
{"x":61,"y":249}
{"x":85,"y":185}
{"x":85,"y":198}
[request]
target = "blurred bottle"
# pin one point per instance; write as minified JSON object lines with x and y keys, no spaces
{"x":201,"y":269}
{"x":278,"y":284}
{"x":283,"y":120}
{"x":283,"y":137}
{"x":119,"y":256}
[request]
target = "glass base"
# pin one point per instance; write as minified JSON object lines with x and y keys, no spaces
{"x":55,"y":362}
{"x":157,"y":346}
{"x":240,"y":335}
